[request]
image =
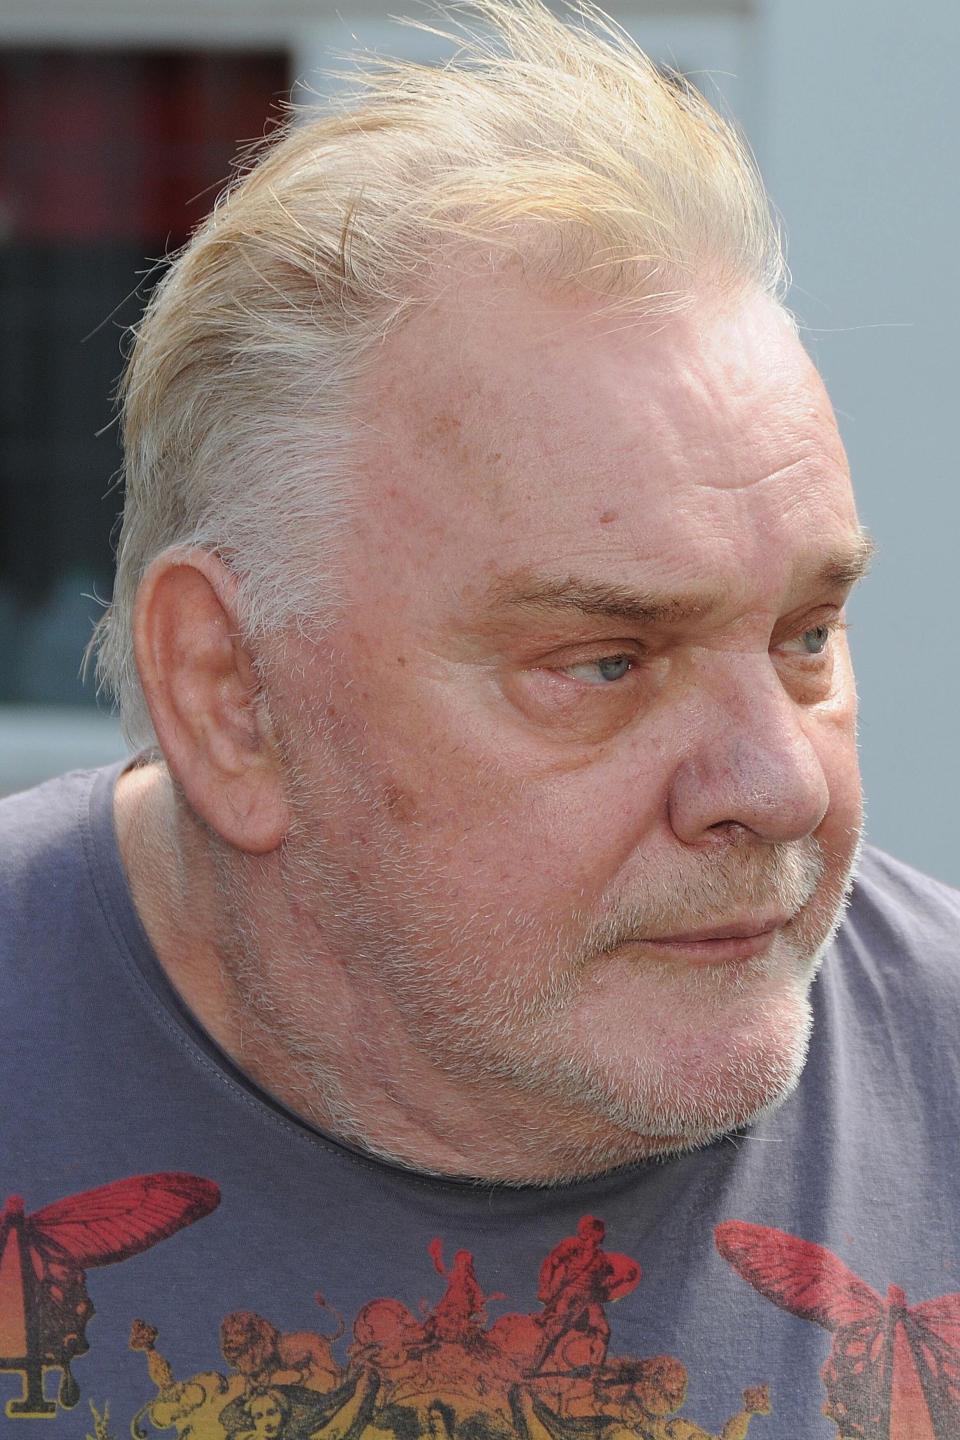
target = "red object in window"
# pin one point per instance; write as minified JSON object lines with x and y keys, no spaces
{"x":99,"y":146}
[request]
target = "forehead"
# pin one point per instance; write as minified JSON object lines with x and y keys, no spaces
{"x":506,"y":430}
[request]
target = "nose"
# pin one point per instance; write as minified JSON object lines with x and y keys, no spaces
{"x":750,"y":759}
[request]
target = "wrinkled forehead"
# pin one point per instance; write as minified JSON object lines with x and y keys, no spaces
{"x":500,"y":419}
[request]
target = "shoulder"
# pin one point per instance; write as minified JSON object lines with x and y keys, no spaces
{"x":43,"y":807}
{"x":44,"y":836}
{"x":894,"y":902}
{"x":901,"y":932}
{"x":42,"y":821}
{"x":894,"y":885}
{"x":888,"y":1015}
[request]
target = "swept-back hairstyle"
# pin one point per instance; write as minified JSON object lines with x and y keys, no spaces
{"x":556,"y":142}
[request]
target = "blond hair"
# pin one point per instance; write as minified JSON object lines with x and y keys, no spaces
{"x":560,"y":144}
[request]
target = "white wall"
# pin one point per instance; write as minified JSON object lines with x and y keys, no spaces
{"x":851,"y":107}
{"x":859,"y":145}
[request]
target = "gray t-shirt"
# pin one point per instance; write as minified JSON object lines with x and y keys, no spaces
{"x":189,"y":1253}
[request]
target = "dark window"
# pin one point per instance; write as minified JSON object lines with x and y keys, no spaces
{"x":108,"y":160}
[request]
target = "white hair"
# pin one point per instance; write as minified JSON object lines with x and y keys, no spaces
{"x":557,"y":144}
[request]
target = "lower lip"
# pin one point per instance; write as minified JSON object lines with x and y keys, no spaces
{"x":712,"y":952}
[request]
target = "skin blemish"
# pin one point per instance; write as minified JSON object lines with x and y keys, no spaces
{"x":608,"y":517}
{"x":442,"y":432}
{"x":455,"y":441}
{"x":442,"y":425}
{"x":400,"y":803}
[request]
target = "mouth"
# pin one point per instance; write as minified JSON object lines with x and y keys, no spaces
{"x":719,"y":951}
{"x":723,"y":945}
{"x":746,"y":929}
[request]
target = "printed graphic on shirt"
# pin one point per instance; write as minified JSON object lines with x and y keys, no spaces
{"x":448,"y":1372}
{"x":893,"y":1372}
{"x":101,"y":1423}
{"x":44,"y":1305}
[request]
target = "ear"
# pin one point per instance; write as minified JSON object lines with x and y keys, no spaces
{"x":204,"y":698}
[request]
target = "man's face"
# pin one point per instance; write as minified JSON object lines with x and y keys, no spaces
{"x":509,"y":773}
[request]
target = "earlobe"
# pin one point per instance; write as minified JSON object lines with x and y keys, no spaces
{"x":202,"y":690}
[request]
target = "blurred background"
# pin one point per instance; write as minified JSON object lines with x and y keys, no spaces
{"x":118,"y":123}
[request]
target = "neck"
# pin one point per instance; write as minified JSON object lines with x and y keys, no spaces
{"x":230,"y":941}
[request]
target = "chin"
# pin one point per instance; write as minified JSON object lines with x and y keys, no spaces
{"x":680,"y":1077}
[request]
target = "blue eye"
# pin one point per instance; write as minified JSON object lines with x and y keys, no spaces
{"x":816,"y":646}
{"x":601,"y":672}
{"x":614,"y":667}
{"x":821,"y":630}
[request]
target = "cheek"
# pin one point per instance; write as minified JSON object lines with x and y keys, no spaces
{"x":569,"y":712}
{"x":501,"y":817}
{"x":836,"y":740}
{"x":840,"y":830}
{"x":546,"y":844}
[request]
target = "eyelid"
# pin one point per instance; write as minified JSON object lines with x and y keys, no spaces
{"x":597,"y":660}
{"x":833,"y":624}
{"x":827,"y":622}
{"x":589,"y":652}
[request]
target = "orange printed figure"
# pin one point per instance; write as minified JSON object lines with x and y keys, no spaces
{"x":462,"y":1312}
{"x":409,"y":1356}
{"x":192,"y":1407}
{"x":433,"y":1374}
{"x":44,"y":1305}
{"x":296,"y":1369}
{"x":258,"y":1351}
{"x":568,"y":1385}
{"x":386,"y":1336}
{"x":645,"y":1396}
{"x":635,"y":1399}
{"x":577,"y":1280}
{"x":448,"y":1372}
{"x":456,"y":1360}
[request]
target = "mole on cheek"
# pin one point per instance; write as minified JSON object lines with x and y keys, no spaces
{"x":608,"y":517}
{"x":400,"y":803}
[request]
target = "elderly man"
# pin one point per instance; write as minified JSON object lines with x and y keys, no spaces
{"x":479,"y":624}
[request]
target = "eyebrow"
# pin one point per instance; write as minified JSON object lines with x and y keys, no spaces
{"x":840,"y":569}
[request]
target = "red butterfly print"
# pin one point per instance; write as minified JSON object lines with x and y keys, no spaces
{"x":44,"y":1305}
{"x":893,"y":1372}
